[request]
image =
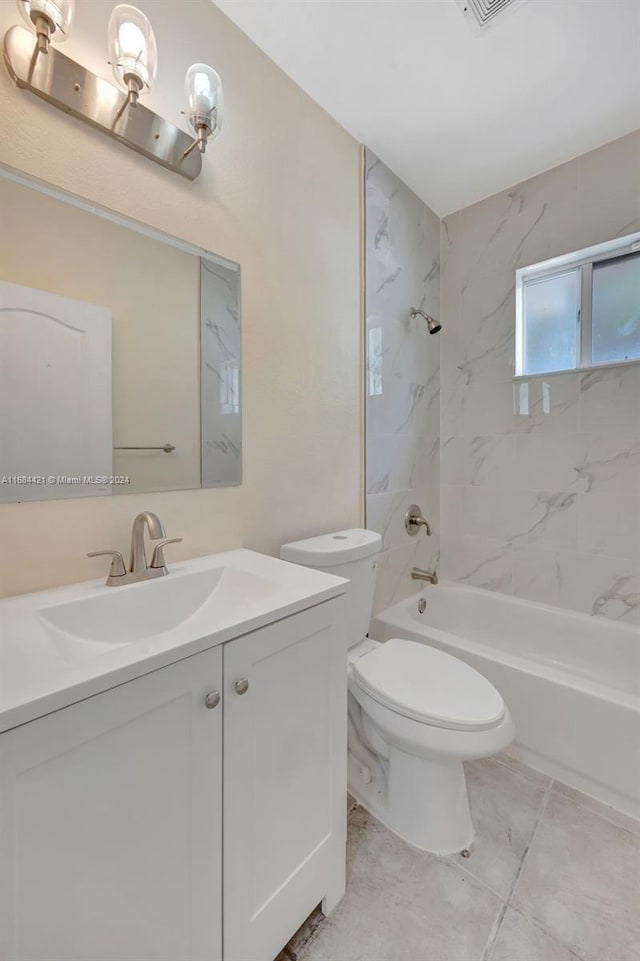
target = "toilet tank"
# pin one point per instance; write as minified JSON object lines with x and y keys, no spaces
{"x":352,"y":554}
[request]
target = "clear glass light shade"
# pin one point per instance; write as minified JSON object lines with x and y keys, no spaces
{"x":132,"y":47}
{"x":203,"y":91}
{"x":58,"y":13}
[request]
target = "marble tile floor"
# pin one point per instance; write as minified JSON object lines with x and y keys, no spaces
{"x":553,"y":876}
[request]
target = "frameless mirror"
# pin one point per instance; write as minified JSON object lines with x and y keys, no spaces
{"x":120,"y":354}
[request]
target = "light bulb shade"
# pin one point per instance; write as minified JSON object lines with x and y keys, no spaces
{"x":203,"y":91}
{"x":132,"y":48}
{"x":57,"y":13}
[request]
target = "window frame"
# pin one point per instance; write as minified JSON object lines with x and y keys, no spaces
{"x":581,"y":261}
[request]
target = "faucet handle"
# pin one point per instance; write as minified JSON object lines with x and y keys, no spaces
{"x":117,"y":562}
{"x":413,"y":521}
{"x":157,"y":559}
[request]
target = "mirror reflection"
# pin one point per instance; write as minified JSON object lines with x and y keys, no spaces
{"x":120,"y":355}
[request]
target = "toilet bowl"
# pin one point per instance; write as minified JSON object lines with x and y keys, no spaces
{"x":415,"y":712}
{"x":421,"y":713}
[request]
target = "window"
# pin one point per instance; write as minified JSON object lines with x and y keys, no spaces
{"x":581,"y":310}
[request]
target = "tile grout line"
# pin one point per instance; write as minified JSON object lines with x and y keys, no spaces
{"x":495,"y":931}
{"x":604,"y":806}
{"x":493,"y":937}
{"x":451,"y":859}
{"x":524,"y":770}
{"x":541,"y":813}
{"x":597,"y":812}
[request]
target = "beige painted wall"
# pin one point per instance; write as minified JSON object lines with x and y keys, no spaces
{"x":153,"y":292}
{"x":280,"y":194}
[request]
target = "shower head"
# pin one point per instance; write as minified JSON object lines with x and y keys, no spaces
{"x":433,"y":325}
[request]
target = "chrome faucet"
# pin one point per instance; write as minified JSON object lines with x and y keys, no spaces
{"x":417,"y":574}
{"x":144,"y":521}
{"x":139,"y":570}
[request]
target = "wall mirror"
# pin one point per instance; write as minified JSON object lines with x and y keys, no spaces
{"x":120,"y":354}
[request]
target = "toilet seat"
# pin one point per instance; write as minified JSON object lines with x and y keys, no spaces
{"x":427,"y":685}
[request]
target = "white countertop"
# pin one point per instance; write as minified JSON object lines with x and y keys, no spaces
{"x":43,"y":670}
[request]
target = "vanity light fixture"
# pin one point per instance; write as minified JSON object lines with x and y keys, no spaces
{"x":133,"y":51}
{"x":115,"y":110}
{"x":203,"y":90}
{"x":51,"y":19}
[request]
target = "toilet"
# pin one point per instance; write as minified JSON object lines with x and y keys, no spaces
{"x":415,"y":712}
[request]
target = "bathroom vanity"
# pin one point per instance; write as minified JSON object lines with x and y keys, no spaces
{"x":172,"y":793}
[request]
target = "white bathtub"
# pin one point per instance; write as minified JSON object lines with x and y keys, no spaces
{"x":572,"y":682}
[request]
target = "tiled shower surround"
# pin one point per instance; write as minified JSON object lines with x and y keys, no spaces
{"x":402,"y":382}
{"x":540,"y":478}
{"x":533,"y":486}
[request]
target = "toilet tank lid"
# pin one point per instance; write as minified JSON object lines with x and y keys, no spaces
{"x":329,"y":550}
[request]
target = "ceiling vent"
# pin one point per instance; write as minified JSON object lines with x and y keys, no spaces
{"x":482,"y":13}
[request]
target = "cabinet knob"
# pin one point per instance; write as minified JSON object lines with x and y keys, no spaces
{"x":242,"y":686}
{"x":212,"y":699}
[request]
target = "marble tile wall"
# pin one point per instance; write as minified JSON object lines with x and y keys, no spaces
{"x":402,"y":267}
{"x":540,"y":491}
{"x":220,"y":375}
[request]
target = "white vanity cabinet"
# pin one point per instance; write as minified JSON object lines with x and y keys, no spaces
{"x":285,"y":788}
{"x":110,"y":824}
{"x":115,"y":811}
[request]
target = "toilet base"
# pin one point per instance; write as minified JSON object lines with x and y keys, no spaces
{"x":422,"y":800}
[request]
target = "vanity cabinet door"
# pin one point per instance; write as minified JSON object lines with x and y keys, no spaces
{"x":285,"y":716}
{"x":110,"y":824}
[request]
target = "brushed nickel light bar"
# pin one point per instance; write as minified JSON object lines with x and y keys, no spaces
{"x":74,"y":89}
{"x":35,"y":65}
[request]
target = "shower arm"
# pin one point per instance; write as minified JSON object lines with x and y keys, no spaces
{"x":433,"y":325}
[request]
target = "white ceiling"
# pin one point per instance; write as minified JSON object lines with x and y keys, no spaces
{"x":460,"y":114}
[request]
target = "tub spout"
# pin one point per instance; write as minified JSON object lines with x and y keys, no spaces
{"x":417,"y":574}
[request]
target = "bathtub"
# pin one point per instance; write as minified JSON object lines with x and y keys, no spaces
{"x":572,"y":682}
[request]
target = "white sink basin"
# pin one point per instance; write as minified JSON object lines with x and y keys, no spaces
{"x":72,"y":642}
{"x":134,"y":612}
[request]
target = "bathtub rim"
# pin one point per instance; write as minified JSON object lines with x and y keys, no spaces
{"x":448,"y":585}
{"x":522,"y":663}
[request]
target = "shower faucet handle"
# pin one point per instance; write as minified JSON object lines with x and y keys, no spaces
{"x":413,"y":521}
